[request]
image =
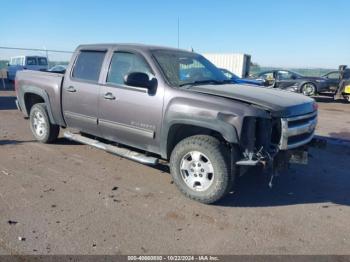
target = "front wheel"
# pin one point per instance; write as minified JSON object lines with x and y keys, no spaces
{"x":200,"y":168}
{"x":308,"y":89}
{"x":42,"y":129}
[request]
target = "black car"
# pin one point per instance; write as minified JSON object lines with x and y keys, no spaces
{"x":334,"y":78}
{"x":292,"y":81}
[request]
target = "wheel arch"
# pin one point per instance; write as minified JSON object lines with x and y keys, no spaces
{"x":32,"y":95}
{"x":179,"y":130}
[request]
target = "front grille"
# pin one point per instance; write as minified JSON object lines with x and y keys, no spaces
{"x":297,"y":130}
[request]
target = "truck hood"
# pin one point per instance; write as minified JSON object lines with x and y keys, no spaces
{"x":248,"y":81}
{"x":278,"y":102}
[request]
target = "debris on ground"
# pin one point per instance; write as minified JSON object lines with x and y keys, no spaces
{"x":12,"y":222}
{"x":21,"y":238}
{"x":5,"y":172}
{"x":49,"y":190}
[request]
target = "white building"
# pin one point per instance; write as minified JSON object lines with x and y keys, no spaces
{"x":236,"y":63}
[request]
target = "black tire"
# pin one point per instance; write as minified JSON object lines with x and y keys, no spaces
{"x":48,"y":132}
{"x":309,"y":89}
{"x":218,"y":156}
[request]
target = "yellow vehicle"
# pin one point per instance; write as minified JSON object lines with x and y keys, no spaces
{"x":346,"y":92}
{"x":343,"y":91}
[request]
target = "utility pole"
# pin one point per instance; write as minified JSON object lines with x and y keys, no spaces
{"x":47,"y":53}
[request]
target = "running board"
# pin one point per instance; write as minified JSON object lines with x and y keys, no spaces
{"x":123,"y":152}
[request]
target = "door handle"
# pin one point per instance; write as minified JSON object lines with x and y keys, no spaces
{"x":71,"y":89}
{"x":109,"y":96}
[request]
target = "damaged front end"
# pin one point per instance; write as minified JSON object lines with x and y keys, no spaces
{"x":275,"y":142}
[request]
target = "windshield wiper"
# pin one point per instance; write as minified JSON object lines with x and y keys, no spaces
{"x":203,"y":82}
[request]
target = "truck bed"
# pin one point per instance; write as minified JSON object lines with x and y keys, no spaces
{"x":47,"y":83}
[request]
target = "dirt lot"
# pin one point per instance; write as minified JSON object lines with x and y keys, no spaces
{"x":62,"y":197}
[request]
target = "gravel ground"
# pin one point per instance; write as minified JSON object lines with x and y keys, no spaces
{"x":68,"y":198}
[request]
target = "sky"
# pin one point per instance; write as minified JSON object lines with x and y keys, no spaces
{"x":285,"y":33}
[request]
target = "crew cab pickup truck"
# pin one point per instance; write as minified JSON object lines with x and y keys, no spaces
{"x":149,"y":103}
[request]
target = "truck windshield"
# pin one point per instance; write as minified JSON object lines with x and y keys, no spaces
{"x":186,"y":69}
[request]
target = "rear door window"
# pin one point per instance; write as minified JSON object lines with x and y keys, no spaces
{"x":88,"y":65}
{"x":31,"y":61}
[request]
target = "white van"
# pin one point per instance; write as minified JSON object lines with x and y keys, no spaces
{"x":38,"y":63}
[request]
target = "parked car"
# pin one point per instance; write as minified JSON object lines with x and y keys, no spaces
{"x":58,"y":68}
{"x":18,"y":63}
{"x":334,"y":78}
{"x":237,"y":80}
{"x":292,"y":81}
{"x":203,"y":126}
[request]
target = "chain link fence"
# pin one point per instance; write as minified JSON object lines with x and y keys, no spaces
{"x":55,"y":57}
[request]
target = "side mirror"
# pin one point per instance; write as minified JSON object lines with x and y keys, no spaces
{"x":138,"y":79}
{"x":8,"y":64}
{"x":294,"y":77}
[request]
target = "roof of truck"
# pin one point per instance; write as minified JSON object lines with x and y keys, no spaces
{"x":143,"y":47}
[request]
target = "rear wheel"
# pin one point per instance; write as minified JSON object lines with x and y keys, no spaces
{"x":308,"y":89}
{"x":200,"y":168}
{"x":42,"y":129}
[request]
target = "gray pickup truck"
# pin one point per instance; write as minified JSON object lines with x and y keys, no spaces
{"x":149,"y":103}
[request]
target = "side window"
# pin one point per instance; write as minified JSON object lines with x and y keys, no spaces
{"x":284,"y":75}
{"x":42,"y":61}
{"x":334,"y":75}
{"x":31,"y":61}
{"x":123,"y":63}
{"x":88,"y":65}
